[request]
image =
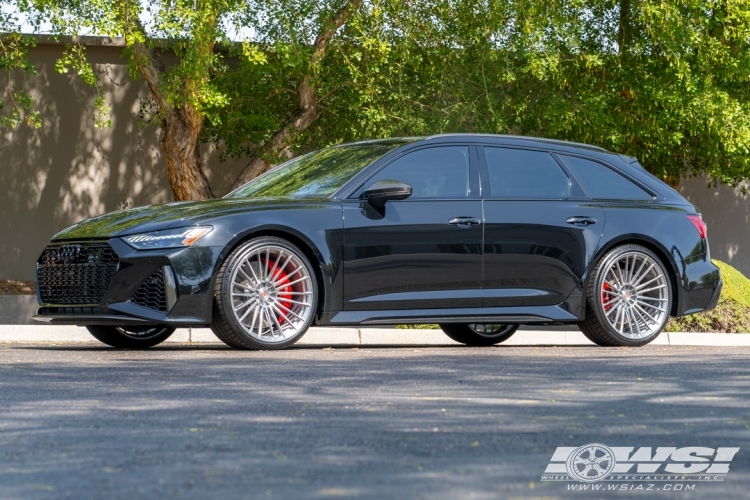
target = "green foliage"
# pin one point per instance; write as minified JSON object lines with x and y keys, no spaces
{"x":418,"y":327}
{"x":14,"y":55}
{"x":667,"y":82}
{"x":731,"y":315}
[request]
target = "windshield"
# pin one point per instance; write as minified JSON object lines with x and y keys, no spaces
{"x":317,"y":174}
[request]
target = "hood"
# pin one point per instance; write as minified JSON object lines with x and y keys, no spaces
{"x":156,"y":217}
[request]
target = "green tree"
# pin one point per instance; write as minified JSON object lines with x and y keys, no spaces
{"x":663,"y":81}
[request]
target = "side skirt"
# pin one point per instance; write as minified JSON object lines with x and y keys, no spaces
{"x":532,"y":314}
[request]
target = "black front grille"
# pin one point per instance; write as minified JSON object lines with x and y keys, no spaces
{"x":76,"y":273}
{"x":151,"y":293}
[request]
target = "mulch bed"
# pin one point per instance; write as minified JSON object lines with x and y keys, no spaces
{"x":11,"y":287}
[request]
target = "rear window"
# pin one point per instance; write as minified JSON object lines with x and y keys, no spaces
{"x":601,"y":182}
{"x":520,"y":173}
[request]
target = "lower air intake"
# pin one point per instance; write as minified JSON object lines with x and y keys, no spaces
{"x":151,"y":293}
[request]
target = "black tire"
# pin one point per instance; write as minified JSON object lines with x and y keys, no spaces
{"x":471,"y":335}
{"x":131,"y":337}
{"x":596,"y":327}
{"x":225,"y":324}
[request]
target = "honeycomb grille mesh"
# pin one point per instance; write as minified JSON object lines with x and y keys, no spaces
{"x":151,"y":293}
{"x":76,"y":274}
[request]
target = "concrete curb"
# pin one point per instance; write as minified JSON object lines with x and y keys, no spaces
{"x":370,"y":336}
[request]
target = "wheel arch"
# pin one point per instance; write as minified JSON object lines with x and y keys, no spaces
{"x":306,"y":246}
{"x":657,"y":248}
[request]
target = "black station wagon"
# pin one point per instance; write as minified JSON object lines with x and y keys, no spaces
{"x":478,"y":233}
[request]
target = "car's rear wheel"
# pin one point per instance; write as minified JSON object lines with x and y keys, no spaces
{"x":266,"y":295}
{"x":131,"y":337}
{"x":479,"y":334}
{"x":628,"y":298}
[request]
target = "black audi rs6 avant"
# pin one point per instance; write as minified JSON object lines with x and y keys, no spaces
{"x":478,"y":233}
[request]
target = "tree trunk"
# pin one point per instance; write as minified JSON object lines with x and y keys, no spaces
{"x":180,"y":133}
{"x":181,"y":128}
{"x":624,"y":32}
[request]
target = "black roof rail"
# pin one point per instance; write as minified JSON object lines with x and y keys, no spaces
{"x":522,"y":137}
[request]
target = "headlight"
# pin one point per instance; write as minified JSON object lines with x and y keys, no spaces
{"x":170,"y":238}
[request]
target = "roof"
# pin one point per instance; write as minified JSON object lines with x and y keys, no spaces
{"x":523,"y":138}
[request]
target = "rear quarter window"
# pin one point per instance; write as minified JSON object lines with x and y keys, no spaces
{"x":601,"y":182}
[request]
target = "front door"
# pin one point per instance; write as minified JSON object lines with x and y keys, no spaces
{"x":422,"y":252}
{"x":540,"y":230}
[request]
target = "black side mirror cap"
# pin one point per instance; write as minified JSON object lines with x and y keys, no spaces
{"x":382,"y":191}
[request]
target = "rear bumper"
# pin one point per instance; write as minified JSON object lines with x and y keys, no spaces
{"x":715,"y":299}
{"x":701,"y":288}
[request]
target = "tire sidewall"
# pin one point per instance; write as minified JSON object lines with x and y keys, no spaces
{"x":596,"y":296}
{"x":226,"y":283}
{"x":464,"y":334}
{"x":111,"y":336}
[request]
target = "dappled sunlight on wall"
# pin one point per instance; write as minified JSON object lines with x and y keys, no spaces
{"x":68,"y":170}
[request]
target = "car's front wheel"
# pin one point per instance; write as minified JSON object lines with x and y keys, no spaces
{"x":628,"y":299}
{"x":479,"y":334}
{"x":131,"y":337}
{"x":265,"y":296}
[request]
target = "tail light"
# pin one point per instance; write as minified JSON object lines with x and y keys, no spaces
{"x":700,"y":226}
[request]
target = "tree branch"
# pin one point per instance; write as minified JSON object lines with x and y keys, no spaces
{"x":307,"y":111}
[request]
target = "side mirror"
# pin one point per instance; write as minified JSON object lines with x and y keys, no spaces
{"x":381,"y":192}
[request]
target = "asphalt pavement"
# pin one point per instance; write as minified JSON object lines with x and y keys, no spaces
{"x":203,"y":421}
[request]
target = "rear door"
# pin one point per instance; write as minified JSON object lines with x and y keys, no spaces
{"x":424,"y":251}
{"x":540,"y":229}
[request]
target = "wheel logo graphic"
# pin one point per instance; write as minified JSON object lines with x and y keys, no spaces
{"x":590,"y":463}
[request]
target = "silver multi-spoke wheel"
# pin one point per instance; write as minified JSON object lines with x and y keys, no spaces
{"x":271,"y":293}
{"x":265,"y":295}
{"x":629,"y":299}
{"x":634,"y":295}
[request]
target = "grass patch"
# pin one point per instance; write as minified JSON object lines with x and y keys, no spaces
{"x":418,"y":327}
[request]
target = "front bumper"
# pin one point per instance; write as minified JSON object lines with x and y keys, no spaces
{"x":181,"y":295}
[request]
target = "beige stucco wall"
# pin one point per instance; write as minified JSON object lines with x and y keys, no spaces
{"x":727,"y":213}
{"x":68,"y":171}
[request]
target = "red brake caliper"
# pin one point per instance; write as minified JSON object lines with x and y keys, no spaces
{"x":284,"y":289}
{"x":607,"y":296}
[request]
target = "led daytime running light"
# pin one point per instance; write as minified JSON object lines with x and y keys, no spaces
{"x":151,"y":240}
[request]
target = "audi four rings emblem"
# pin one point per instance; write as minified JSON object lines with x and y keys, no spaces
{"x":67,"y":253}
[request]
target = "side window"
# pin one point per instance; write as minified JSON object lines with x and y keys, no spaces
{"x":600,"y":181}
{"x":519,"y":173}
{"x":439,"y":172}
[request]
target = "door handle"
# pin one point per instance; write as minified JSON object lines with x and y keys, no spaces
{"x":464,"y":221}
{"x":581,"y":221}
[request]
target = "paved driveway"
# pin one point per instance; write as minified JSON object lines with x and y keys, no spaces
{"x":83,"y":421}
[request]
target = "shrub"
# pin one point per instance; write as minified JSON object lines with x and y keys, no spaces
{"x":731,"y":315}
